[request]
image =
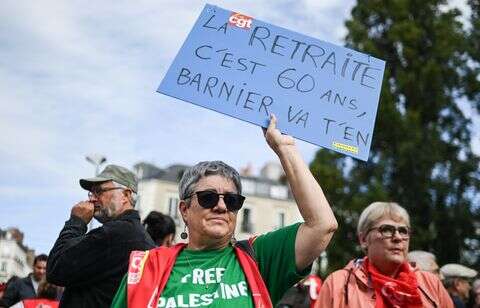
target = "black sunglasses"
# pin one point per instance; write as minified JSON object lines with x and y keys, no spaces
{"x":209,"y":199}
{"x":389,"y":231}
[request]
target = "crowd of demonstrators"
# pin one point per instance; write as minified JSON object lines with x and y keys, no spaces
{"x":91,"y":265}
{"x":214,"y":269}
{"x":46,"y":297}
{"x":18,"y":289}
{"x":457,"y":280}
{"x":161,"y":228}
{"x":384,"y":277}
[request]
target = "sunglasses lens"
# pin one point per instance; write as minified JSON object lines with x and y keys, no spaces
{"x":207,"y":199}
{"x":233,"y":202}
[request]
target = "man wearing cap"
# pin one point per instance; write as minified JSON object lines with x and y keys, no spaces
{"x":91,"y":265}
{"x":457,"y":282}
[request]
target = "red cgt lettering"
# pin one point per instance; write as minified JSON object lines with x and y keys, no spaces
{"x":241,"y":21}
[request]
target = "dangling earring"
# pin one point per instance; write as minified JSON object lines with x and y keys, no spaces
{"x":184,"y":234}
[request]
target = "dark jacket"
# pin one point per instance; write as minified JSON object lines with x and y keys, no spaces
{"x":457,"y":301}
{"x":91,"y":265}
{"x":17,"y":290}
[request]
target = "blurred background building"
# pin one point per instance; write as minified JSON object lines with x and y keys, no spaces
{"x":15,"y":257}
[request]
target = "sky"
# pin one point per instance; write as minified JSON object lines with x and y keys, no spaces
{"x":79,"y":78}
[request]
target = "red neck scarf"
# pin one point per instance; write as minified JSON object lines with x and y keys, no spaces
{"x":399,"y":292}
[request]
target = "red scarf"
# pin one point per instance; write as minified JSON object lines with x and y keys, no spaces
{"x":399,"y":292}
{"x":148,"y":273}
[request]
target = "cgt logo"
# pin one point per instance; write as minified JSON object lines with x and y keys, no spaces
{"x":241,"y":21}
{"x":135,"y":270}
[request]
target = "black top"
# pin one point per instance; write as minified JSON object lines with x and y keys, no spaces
{"x":17,"y":290}
{"x":457,"y":302}
{"x":91,"y":265}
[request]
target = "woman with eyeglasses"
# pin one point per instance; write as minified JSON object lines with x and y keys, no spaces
{"x":383,"y":278}
{"x":213,"y":269}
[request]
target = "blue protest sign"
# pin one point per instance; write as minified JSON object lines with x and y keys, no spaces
{"x":245,"y":68}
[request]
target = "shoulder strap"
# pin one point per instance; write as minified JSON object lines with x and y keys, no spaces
{"x":246,"y":246}
{"x":260,"y":294}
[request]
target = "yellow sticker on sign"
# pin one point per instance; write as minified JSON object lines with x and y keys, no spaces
{"x":345,"y":147}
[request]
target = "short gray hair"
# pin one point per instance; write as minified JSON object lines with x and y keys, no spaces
{"x":379,"y":210}
{"x":133,"y":195}
{"x":423,"y":259}
{"x":192,"y":175}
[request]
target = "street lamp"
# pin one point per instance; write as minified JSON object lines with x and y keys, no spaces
{"x":97,"y":160}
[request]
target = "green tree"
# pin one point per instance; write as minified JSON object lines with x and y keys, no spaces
{"x":421,"y":154}
{"x":473,"y":87}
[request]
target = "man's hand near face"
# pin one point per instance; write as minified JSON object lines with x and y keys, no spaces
{"x":84,"y":210}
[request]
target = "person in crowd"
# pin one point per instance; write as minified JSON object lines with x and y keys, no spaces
{"x":46,"y":298}
{"x":23,"y":288}
{"x":3,"y":286}
{"x":383,"y":278}
{"x":474,"y":299}
{"x":457,"y":281}
{"x":91,"y":265}
{"x":161,"y":228}
{"x":304,"y":294}
{"x":425,"y":261}
{"x":215,"y":270}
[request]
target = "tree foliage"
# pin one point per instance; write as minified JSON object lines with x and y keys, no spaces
{"x":421,"y":155}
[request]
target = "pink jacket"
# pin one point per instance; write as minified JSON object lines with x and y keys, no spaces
{"x":349,"y":287}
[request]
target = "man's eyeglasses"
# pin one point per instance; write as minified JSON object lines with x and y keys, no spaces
{"x":209,"y":199}
{"x":98,"y":191}
{"x":388,"y":231}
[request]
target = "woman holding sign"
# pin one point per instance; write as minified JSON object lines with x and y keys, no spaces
{"x":213,"y":269}
{"x":383,"y":278}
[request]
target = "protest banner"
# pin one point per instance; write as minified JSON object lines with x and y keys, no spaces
{"x":245,"y":68}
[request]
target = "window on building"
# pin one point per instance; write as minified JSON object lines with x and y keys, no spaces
{"x":173,"y":208}
{"x":263,"y":189}
{"x":248,"y":187}
{"x":246,"y":221}
{"x":281,"y":220}
{"x":3,"y":267}
{"x":279,"y":192}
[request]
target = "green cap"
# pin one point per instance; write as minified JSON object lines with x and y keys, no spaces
{"x":114,"y":173}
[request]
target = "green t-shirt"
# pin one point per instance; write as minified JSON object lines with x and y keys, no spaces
{"x":215,"y":278}
{"x":203,"y":278}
